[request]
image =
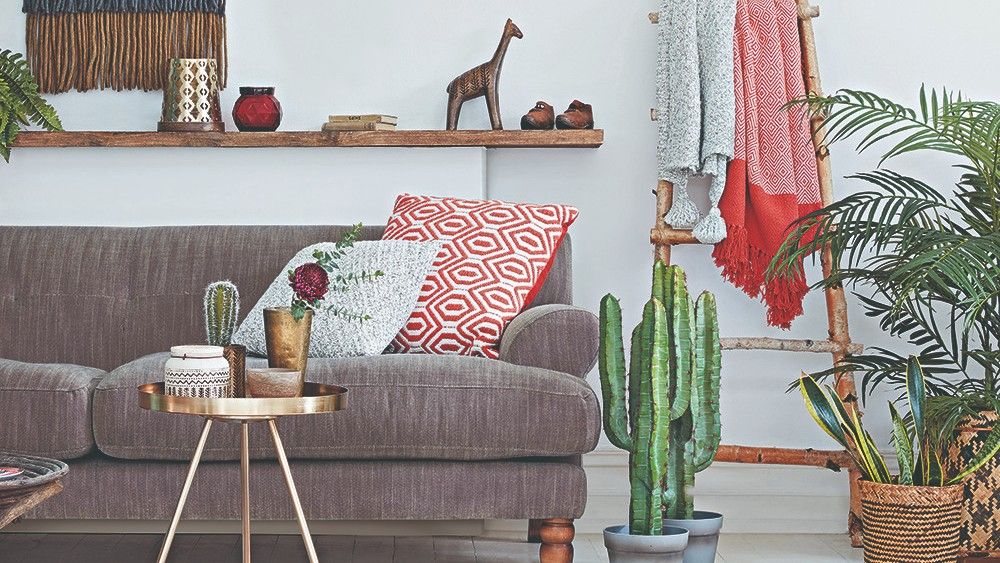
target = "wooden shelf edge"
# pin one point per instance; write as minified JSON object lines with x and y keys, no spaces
{"x":406,"y":138}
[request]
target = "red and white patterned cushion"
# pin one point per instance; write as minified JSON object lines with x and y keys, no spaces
{"x":495,"y":259}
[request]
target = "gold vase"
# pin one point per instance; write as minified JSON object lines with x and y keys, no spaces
{"x":287,"y":339}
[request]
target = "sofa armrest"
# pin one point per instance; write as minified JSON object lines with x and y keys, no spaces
{"x":556,"y":337}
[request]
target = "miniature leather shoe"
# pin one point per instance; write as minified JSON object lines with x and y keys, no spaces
{"x":542,"y":116}
{"x":578,"y":116}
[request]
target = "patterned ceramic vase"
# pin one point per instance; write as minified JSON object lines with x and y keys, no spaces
{"x":191,"y":97}
{"x":197,"y":371}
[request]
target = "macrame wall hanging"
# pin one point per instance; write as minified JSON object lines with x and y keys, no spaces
{"x":120,"y":44}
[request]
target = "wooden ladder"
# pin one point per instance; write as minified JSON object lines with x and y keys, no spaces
{"x":838,"y":343}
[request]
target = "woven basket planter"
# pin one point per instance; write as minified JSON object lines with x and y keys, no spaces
{"x":980,"y":531}
{"x":911,"y":524}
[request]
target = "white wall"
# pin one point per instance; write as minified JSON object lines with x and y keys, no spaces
{"x":397,"y":57}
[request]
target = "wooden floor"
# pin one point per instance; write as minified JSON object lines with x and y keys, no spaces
{"x":189,"y":548}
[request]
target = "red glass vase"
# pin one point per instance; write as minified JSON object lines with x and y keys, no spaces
{"x":257,"y":109}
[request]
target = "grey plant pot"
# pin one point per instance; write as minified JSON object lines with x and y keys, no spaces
{"x":626,"y":548}
{"x":703,"y":541}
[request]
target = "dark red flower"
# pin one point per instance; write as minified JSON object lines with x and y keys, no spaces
{"x":310,"y":282}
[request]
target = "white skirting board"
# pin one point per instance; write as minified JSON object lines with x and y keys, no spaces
{"x":754,"y":498}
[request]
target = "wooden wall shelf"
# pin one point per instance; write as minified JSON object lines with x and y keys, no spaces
{"x":404,"y":138}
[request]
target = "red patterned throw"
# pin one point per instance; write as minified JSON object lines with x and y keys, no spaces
{"x":772,"y":178}
{"x":495,"y":259}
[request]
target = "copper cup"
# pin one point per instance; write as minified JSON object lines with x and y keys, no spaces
{"x":287,"y":339}
{"x":272,"y":383}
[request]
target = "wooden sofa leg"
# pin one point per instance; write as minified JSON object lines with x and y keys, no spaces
{"x":557,"y":540}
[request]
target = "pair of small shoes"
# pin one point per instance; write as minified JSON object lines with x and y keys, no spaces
{"x":578,"y":116}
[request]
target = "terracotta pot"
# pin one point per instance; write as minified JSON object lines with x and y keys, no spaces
{"x":911,"y":524}
{"x":980,"y":531}
{"x":287,"y":339}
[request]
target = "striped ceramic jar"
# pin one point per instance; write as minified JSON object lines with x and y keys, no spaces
{"x":196,"y":371}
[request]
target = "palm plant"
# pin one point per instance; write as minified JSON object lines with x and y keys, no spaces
{"x":20,"y":103}
{"x":917,"y":451}
{"x":928,"y":257}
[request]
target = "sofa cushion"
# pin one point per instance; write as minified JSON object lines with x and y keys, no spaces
{"x":45,"y":409}
{"x":409,"y":406}
{"x":495,"y":260}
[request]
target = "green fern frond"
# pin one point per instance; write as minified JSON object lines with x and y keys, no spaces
{"x":20,"y":102}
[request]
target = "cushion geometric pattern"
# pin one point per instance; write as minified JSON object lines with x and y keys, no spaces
{"x":495,"y":259}
{"x":388,"y":299}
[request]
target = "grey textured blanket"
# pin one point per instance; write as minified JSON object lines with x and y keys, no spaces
{"x":695,"y":105}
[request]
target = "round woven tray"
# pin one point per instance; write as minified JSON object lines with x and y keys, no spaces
{"x":37,"y":471}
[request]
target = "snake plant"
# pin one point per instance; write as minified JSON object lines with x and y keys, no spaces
{"x":917,"y":450}
{"x":20,"y":103}
{"x":665,"y":410}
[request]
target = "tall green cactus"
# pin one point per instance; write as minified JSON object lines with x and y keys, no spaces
{"x":668,"y":420}
{"x":222,"y":307}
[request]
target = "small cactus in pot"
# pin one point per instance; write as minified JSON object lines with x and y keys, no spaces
{"x":222,"y":309}
{"x":664,"y":409}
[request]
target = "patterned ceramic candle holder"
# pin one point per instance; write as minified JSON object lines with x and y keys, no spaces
{"x":191,"y":97}
{"x":197,"y":371}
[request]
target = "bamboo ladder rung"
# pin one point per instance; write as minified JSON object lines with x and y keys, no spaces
{"x":671,"y":236}
{"x":789,"y":345}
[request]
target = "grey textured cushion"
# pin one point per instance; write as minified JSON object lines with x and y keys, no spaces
{"x":556,"y":337}
{"x":388,"y":299}
{"x":102,"y":488}
{"x":45,"y":409}
{"x":408,"y":406}
{"x":113,"y":294}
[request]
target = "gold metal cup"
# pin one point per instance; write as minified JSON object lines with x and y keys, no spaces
{"x":236,"y":355}
{"x":287,"y":339}
{"x":191,"y":97}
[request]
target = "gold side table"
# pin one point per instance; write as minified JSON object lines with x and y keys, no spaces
{"x":316,"y":398}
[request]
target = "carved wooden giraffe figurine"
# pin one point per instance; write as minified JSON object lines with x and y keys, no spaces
{"x":481,"y":81}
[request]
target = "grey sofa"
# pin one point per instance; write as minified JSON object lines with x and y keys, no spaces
{"x":86,"y":313}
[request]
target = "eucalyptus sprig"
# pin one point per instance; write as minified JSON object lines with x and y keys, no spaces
{"x":312,"y":281}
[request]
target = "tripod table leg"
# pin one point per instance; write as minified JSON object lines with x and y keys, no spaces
{"x":299,"y":515}
{"x":245,"y":483}
{"x":165,"y":550}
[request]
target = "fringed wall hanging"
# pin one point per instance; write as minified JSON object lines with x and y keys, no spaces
{"x":120,"y":44}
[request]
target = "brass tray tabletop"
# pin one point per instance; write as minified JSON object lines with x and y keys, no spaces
{"x":316,"y":398}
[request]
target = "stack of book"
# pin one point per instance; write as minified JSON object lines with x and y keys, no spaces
{"x":366,"y":122}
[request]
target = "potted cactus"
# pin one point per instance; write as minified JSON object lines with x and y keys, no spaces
{"x":222,"y":308}
{"x":665,"y":413}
